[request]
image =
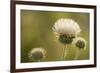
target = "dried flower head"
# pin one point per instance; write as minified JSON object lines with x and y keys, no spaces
{"x":37,"y":54}
{"x":80,"y":42}
{"x":66,"y":30}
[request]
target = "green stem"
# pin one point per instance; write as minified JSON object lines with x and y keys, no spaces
{"x":77,"y":54}
{"x":64,"y":52}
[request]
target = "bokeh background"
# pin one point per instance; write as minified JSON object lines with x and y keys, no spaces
{"x":36,"y":31}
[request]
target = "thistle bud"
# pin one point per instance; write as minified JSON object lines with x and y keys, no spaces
{"x":36,"y":54}
{"x":80,"y":43}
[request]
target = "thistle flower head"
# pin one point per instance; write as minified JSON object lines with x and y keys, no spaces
{"x":37,"y":54}
{"x":67,"y":27}
{"x":80,"y":42}
{"x":66,"y":30}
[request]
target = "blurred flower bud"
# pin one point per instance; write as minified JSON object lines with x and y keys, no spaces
{"x":80,"y":43}
{"x":37,"y":54}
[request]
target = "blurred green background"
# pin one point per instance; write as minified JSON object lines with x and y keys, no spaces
{"x":36,"y":31}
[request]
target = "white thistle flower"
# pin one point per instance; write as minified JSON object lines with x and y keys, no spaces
{"x":66,"y":27}
{"x":80,"y":42}
{"x":37,"y":54}
{"x":66,"y":30}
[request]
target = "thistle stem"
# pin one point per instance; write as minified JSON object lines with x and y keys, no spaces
{"x":64,"y":52}
{"x":77,"y":54}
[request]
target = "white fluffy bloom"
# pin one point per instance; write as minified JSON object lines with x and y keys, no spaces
{"x":67,"y":27}
{"x":80,"y":42}
{"x":37,"y":54}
